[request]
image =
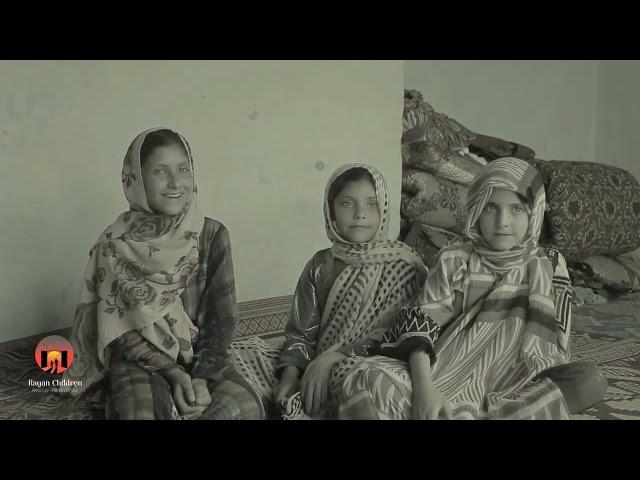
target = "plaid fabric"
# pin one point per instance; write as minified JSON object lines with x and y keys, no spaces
{"x":139,"y":394}
{"x":233,"y":399}
{"x":210,"y":301}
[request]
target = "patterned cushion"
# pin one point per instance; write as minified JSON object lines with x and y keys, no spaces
{"x":427,"y":241}
{"x":592,"y":208}
{"x":405,"y":223}
{"x":436,"y":201}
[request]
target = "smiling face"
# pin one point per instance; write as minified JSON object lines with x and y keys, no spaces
{"x":504,"y":221}
{"x":356,"y":213}
{"x":168,"y":180}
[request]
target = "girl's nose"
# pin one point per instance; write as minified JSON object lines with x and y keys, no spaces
{"x":171,"y":181}
{"x":504,"y":218}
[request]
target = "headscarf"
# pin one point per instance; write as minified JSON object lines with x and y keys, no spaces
{"x":381,"y":275}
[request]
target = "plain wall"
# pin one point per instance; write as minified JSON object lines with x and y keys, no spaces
{"x":618,"y":114}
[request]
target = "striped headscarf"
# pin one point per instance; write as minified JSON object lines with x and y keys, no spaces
{"x":380,"y":276}
{"x":516,"y":176}
{"x":515,"y":282}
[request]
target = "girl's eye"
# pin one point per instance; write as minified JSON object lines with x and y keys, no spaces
{"x":184,"y":170}
{"x":490,"y":208}
{"x":160,"y":171}
{"x":347,"y":203}
{"x":373,"y":204}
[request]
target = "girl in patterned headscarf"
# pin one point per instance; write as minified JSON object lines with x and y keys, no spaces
{"x":156,"y":310}
{"x":346,"y":297}
{"x":489,"y":335}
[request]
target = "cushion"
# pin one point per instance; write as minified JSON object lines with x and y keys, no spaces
{"x":435,"y":201}
{"x":593,"y":209}
{"x":427,"y":241}
{"x":619,"y":273}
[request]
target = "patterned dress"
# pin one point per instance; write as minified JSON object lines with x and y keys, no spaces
{"x":345,"y":300}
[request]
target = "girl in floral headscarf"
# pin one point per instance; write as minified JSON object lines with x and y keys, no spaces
{"x":488,"y":338}
{"x":157,"y":309}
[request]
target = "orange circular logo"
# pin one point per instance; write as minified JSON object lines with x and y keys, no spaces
{"x":54,"y":354}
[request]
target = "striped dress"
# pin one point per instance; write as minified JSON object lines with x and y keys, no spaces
{"x":486,"y":359}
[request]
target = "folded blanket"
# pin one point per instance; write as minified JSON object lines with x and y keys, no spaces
{"x":617,"y":273}
{"x":439,"y":144}
{"x":435,"y":201}
{"x":428,"y":240}
{"x":420,"y":122}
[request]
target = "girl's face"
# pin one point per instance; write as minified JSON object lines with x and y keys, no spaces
{"x":504,"y":220}
{"x":356,"y":212}
{"x":168,"y":180}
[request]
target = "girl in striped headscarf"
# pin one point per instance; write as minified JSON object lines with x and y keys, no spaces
{"x":346,"y":298}
{"x":488,"y":338}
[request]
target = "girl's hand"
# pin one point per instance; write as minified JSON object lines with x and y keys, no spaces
{"x":183,"y":394}
{"x":427,"y":403}
{"x":287,"y":386}
{"x":314,"y":387}
{"x":201,"y":391}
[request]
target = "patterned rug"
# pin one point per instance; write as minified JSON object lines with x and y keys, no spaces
{"x":609,"y":336}
{"x":606,"y":334}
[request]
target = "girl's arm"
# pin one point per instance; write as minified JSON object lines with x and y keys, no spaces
{"x":301,"y":331}
{"x":217,"y":316}
{"x":427,"y":403}
{"x":420,"y":368}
